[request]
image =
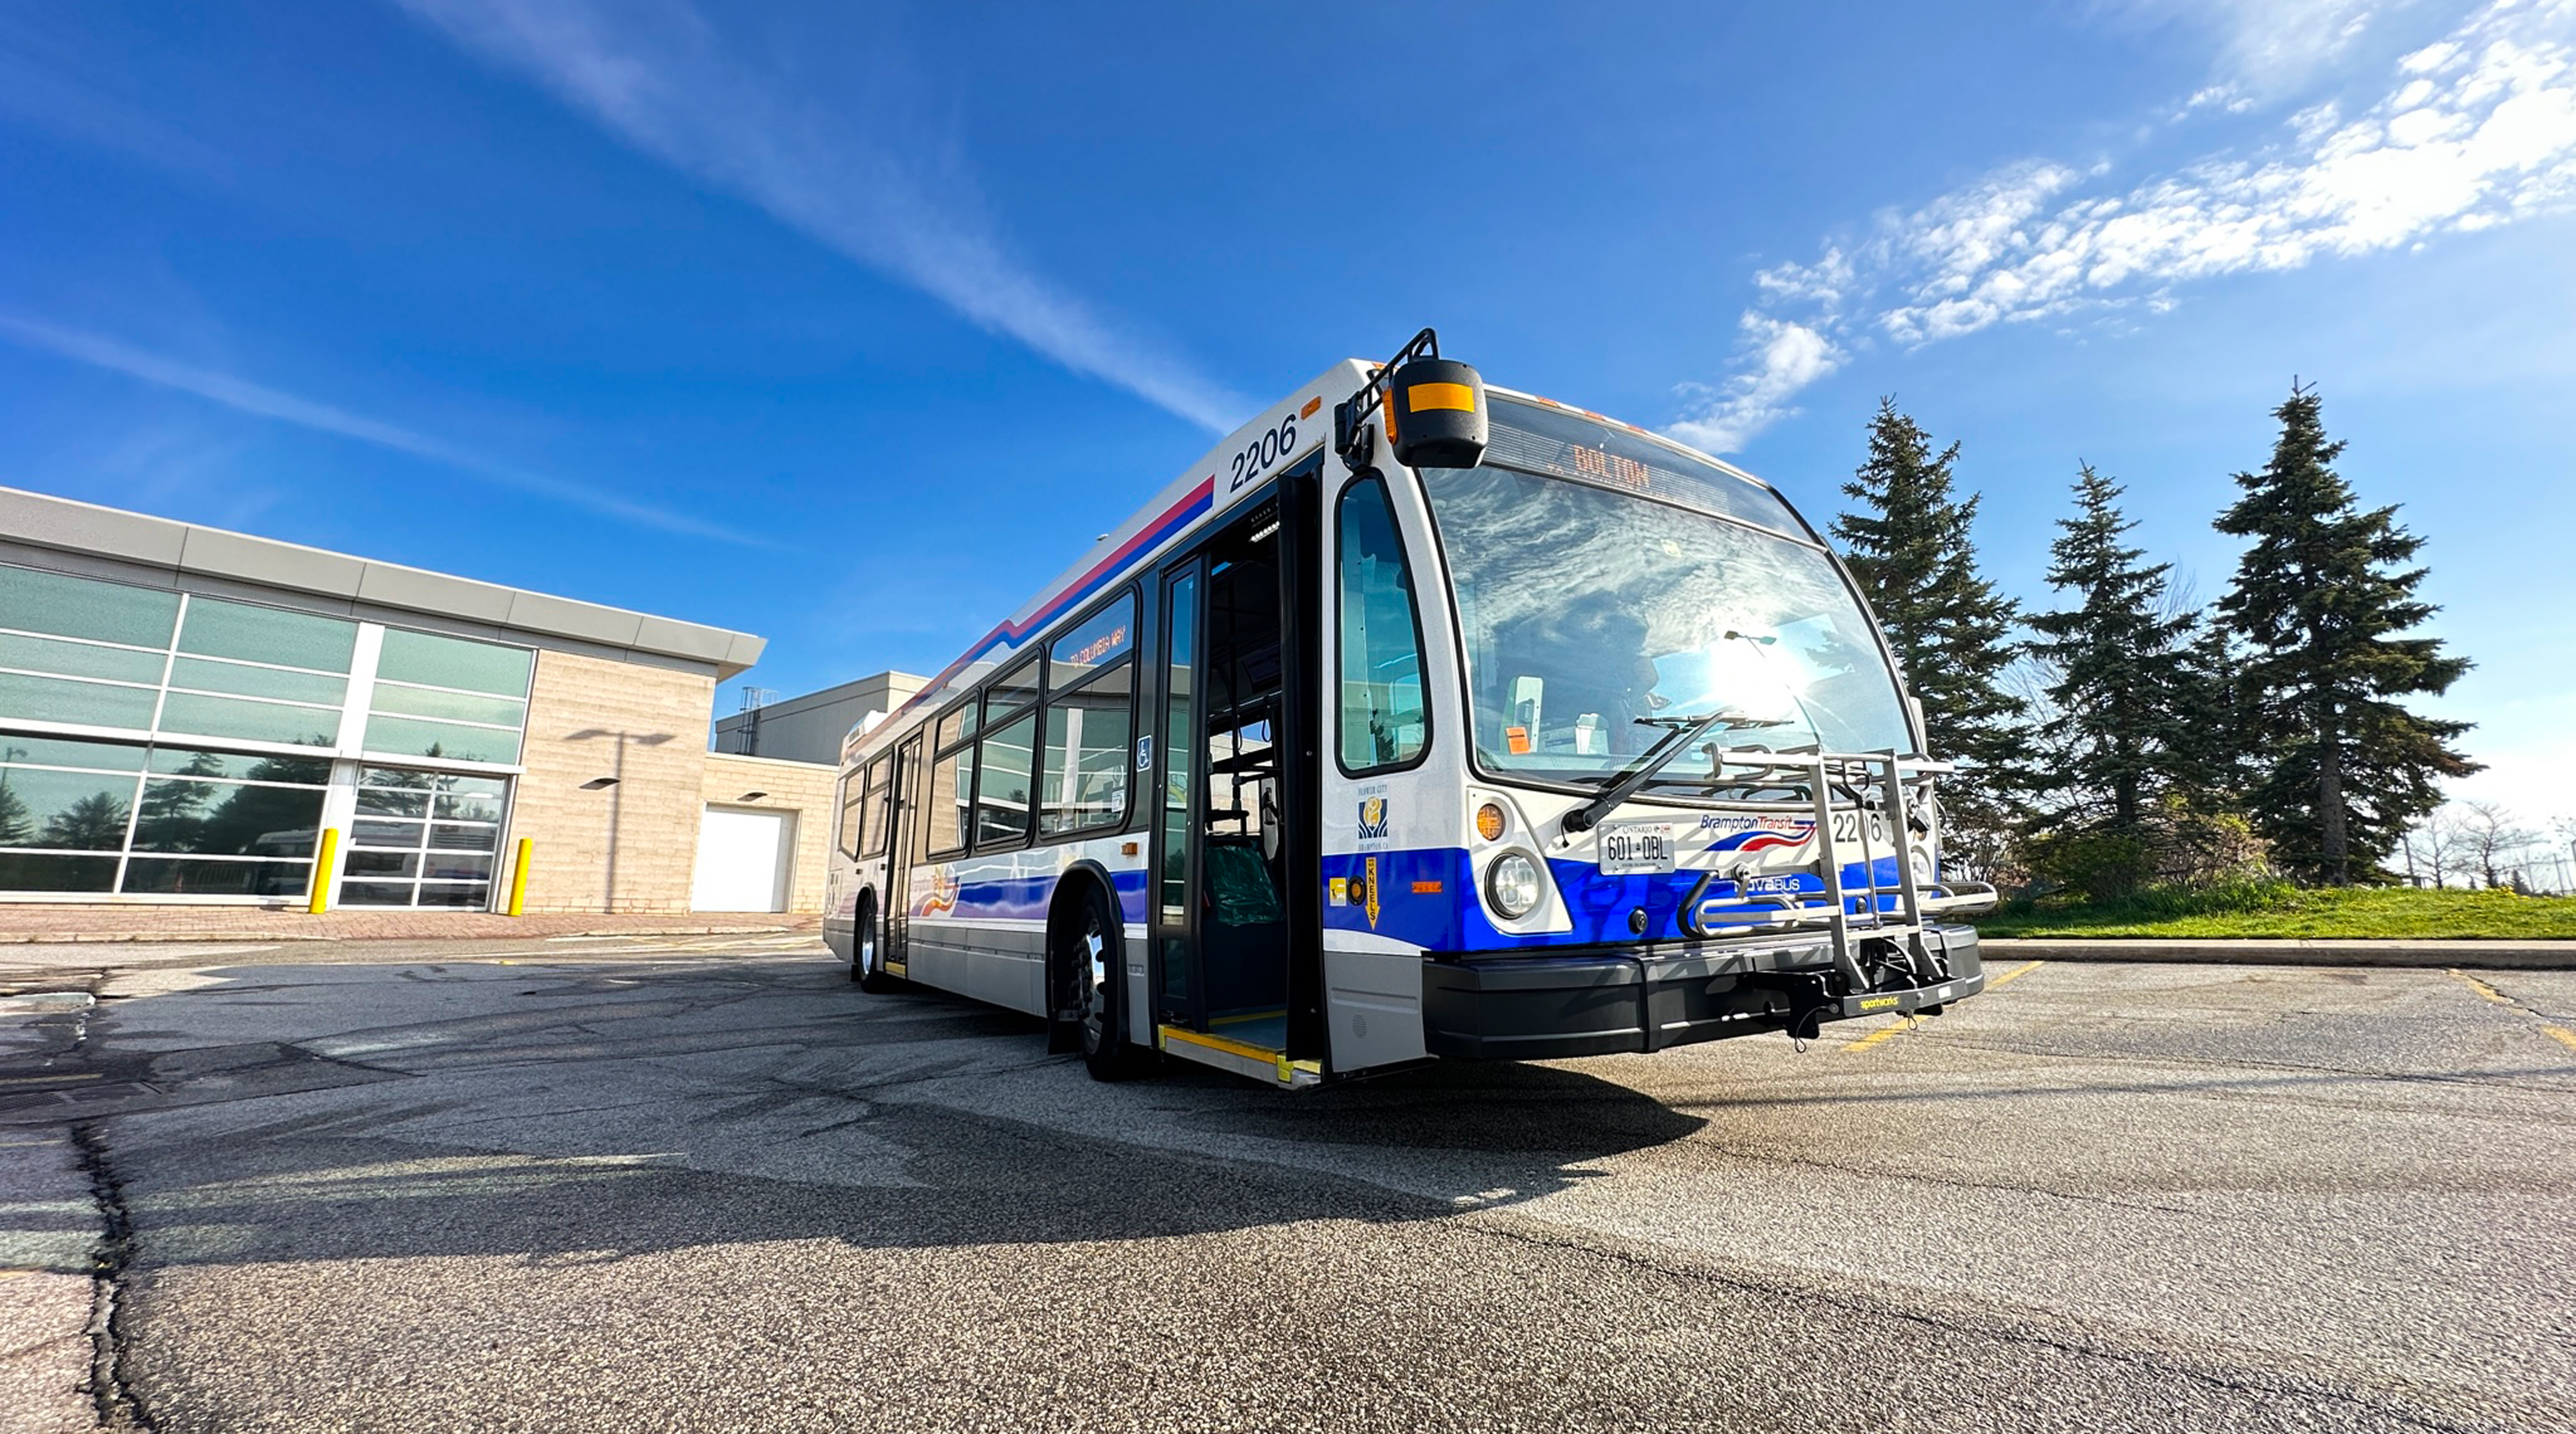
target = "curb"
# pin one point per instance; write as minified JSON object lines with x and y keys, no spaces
{"x":2443,"y":954}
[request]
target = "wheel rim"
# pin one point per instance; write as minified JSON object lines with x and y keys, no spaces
{"x":868,"y":942}
{"x":1091,"y":979}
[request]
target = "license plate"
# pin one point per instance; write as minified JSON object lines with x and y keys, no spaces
{"x":1639,"y":849}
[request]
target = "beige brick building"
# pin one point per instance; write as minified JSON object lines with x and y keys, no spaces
{"x":190,"y":716}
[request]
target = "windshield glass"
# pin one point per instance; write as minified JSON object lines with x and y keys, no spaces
{"x":1586,"y":609}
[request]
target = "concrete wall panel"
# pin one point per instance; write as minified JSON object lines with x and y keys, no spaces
{"x":631,"y":847}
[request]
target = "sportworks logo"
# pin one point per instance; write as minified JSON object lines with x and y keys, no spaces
{"x":1373,"y":821}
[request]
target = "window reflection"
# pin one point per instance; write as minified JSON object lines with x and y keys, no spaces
{"x":1587,"y":609}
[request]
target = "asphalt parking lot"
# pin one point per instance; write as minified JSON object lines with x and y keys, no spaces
{"x":713,"y":1186}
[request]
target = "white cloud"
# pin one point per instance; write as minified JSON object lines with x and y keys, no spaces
{"x":247,"y":397}
{"x":2474,"y":131}
{"x":658,"y":78}
{"x":1784,"y":358}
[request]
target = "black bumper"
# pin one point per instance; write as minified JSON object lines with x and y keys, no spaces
{"x":1598,"y":1001}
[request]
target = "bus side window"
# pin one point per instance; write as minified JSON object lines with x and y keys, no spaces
{"x":872,"y":840}
{"x":1382,"y":723}
{"x":853,"y":800}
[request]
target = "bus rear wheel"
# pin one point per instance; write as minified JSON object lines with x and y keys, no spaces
{"x":1091,"y":975}
{"x":867,"y":951}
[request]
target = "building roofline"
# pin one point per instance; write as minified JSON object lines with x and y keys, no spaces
{"x":68,"y":525}
{"x":822,"y":696}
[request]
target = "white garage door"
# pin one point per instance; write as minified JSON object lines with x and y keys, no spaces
{"x":743,"y":860}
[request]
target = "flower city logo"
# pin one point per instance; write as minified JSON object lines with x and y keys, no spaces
{"x":1373,"y":819}
{"x":942,"y":896}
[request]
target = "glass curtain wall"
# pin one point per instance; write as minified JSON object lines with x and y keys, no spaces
{"x":218,"y":737}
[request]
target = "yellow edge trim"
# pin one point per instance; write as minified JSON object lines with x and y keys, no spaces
{"x":896,"y":968}
{"x":1263,"y":1054}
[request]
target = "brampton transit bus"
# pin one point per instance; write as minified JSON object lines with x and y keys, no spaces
{"x":1418,"y":719}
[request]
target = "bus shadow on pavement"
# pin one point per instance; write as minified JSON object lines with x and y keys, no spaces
{"x":619,"y":1130}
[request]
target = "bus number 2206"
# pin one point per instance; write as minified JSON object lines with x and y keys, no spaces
{"x":1263,"y":453}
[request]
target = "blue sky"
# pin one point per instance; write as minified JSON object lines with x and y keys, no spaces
{"x":848,"y":325}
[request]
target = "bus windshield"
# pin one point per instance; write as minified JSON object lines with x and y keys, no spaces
{"x":1595,"y":617}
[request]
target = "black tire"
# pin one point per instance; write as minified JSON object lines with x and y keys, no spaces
{"x":1091,"y":982}
{"x":867,"y":951}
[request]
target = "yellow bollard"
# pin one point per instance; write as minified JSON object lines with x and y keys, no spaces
{"x":519,"y":879}
{"x":320,"y":900}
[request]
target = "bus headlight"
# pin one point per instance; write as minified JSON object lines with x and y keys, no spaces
{"x":1512,"y":883}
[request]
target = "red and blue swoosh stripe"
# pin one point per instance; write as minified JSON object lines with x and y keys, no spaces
{"x":1193,"y":506}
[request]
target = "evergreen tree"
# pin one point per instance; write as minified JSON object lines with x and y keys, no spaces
{"x":2121,"y":667}
{"x":2214,"y":747}
{"x":1910,"y":548}
{"x":2321,"y":604}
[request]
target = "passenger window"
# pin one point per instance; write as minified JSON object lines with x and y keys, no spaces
{"x":853,"y":801}
{"x":950,"y":800}
{"x":1002,"y":799}
{"x":1012,"y":690}
{"x":880,"y":803}
{"x":1103,"y":639}
{"x":1086,"y":757}
{"x":1382,"y":721}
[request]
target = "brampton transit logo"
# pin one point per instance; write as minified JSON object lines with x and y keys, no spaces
{"x":1373,"y":820}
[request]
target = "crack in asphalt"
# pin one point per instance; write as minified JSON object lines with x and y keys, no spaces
{"x":112,"y":1395}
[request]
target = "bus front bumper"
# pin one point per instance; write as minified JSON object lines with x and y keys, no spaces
{"x":1602,"y":1001}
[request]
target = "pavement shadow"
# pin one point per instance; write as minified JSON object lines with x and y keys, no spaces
{"x":361,"y":1162}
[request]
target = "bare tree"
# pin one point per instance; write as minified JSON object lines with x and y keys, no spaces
{"x":2433,"y":847}
{"x":2491,"y":837}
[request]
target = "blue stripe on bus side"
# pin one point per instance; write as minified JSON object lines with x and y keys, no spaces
{"x":1025,"y":898}
{"x":1427,"y":898}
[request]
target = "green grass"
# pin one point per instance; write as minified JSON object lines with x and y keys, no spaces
{"x":2266,"y":909}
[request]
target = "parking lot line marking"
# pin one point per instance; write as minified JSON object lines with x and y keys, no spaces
{"x":1876,"y":1036}
{"x":51,"y":1079}
{"x":1901,"y":1025}
{"x":2562,"y":1036}
{"x":2022,"y":970}
{"x":2482,"y":988}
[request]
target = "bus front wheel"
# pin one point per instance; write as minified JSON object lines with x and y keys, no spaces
{"x":1092,"y":969}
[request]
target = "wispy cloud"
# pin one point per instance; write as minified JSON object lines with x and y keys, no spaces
{"x":660,"y":79}
{"x":2267,"y":48}
{"x":46,"y":97}
{"x":240,"y":394}
{"x":2473,"y":131}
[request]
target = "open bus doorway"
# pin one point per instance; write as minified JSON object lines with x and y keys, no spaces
{"x":1238,"y":828}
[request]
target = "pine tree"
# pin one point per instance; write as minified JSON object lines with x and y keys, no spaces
{"x":2322,"y":606}
{"x":1911,"y":549}
{"x":2121,"y":664}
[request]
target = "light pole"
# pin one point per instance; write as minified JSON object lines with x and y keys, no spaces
{"x":614,"y":785}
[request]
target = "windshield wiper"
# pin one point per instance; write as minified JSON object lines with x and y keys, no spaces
{"x":1682,"y":732}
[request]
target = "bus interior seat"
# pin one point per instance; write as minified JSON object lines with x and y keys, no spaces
{"x":1245,"y":928}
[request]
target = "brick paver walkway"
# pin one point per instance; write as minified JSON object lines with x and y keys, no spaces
{"x":51,"y":923}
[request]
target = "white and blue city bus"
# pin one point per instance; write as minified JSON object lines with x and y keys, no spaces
{"x":1417,"y":719}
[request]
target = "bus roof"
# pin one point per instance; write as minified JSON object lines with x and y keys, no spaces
{"x":1206,"y":488}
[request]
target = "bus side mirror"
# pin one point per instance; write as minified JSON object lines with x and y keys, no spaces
{"x":1435,"y":414}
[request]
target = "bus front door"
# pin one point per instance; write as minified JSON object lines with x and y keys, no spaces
{"x":1233,"y":835}
{"x":900,"y":845}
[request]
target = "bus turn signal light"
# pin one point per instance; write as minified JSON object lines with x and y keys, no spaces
{"x":1489,"y":822}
